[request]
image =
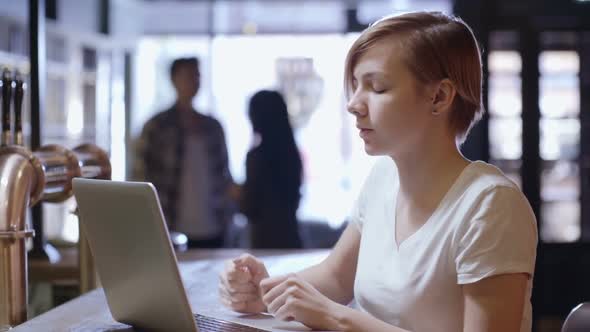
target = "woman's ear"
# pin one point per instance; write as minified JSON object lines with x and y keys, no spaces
{"x":444,"y":96}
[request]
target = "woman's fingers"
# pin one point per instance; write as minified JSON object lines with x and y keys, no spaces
{"x":238,"y":287}
{"x":237,"y":273}
{"x":269,"y":284}
{"x":238,"y":296}
{"x":287,"y":295}
{"x":254,"y":265}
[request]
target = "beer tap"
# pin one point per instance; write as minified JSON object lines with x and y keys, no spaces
{"x":19,"y":92}
{"x":27,"y":178}
{"x":6,"y":97}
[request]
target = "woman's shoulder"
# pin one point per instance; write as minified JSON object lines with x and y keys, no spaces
{"x":490,"y":210}
{"x":486,"y":186}
{"x":484,"y":177}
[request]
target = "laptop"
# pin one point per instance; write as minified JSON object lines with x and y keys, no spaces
{"x":129,"y":240}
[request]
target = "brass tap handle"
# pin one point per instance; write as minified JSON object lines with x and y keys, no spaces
{"x":60,"y":166}
{"x":17,"y":234}
{"x":94,"y":162}
{"x":19,"y":92}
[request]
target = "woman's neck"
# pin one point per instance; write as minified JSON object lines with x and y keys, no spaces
{"x":427,"y":174}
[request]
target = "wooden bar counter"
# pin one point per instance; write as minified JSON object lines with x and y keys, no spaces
{"x":199,"y":269}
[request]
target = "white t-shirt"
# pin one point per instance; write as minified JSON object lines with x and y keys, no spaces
{"x":483,"y":226}
{"x":195,"y":215}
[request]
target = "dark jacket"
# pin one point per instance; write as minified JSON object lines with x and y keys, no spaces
{"x":271,"y":203}
{"x":160,"y":150}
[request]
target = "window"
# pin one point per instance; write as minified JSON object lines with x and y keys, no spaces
{"x":559,"y":103}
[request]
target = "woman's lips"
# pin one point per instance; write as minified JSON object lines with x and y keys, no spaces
{"x":364,"y":133}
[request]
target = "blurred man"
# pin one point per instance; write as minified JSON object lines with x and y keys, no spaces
{"x":183,"y":153}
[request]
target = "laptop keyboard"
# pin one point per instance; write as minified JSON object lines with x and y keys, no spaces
{"x":210,"y":324}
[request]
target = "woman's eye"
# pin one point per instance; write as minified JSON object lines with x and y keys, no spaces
{"x":378,"y":89}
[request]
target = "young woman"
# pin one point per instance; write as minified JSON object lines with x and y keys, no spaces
{"x":270,"y":195}
{"x":436,"y":242}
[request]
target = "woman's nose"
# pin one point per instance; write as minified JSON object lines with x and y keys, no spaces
{"x":356,"y":107}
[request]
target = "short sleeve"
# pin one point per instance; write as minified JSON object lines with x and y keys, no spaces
{"x":500,"y":238}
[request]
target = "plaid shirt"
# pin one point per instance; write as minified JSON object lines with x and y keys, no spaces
{"x":160,"y":151}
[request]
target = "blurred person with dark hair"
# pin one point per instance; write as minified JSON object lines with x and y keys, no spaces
{"x":270,"y":195}
{"x":184,"y":154}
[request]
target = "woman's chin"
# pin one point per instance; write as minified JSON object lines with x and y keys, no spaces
{"x":372,"y":151}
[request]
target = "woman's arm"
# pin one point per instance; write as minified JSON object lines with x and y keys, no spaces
{"x":318,"y":296}
{"x":351,"y":320}
{"x":240,"y":282}
{"x":334,"y":277}
{"x":495,"y":303}
{"x":492,"y":304}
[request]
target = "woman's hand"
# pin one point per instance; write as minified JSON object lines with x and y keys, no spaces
{"x":292,"y":298}
{"x":239,"y":283}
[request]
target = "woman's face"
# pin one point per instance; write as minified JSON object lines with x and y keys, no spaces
{"x":393,"y":110}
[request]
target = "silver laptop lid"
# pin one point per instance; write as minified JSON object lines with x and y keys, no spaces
{"x":136,"y":264}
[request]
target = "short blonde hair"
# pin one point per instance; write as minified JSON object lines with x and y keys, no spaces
{"x":436,"y":46}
